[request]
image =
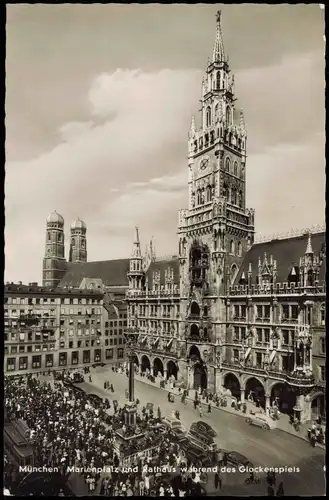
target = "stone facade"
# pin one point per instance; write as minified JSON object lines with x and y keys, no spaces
{"x":211,"y":316}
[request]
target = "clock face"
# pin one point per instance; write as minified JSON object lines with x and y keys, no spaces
{"x":203,"y":163}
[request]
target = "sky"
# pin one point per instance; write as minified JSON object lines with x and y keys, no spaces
{"x":99,"y":100}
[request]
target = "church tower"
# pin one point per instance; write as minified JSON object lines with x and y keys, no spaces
{"x":54,"y":264}
{"x":78,"y":242}
{"x":136,"y":271}
{"x":217,"y":229}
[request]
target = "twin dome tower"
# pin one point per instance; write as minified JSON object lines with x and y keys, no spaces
{"x":54,"y":263}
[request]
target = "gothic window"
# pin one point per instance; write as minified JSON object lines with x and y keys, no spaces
{"x":228,"y":116}
{"x":208,"y":191}
{"x":208,"y":117}
{"x":73,"y":242}
{"x":239,"y":249}
{"x":195,"y":309}
{"x":198,"y":196}
{"x":205,"y":311}
{"x":218,"y":80}
{"x":235,"y":171}
{"x":234,"y":271}
{"x":232,"y":247}
{"x":225,"y":192}
{"x":195,"y":146}
{"x":240,"y":199}
{"x":216,"y":111}
{"x":233,"y":197}
{"x":227,"y":164}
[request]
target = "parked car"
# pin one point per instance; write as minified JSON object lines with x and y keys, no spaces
{"x":235,"y":458}
{"x":261,"y":420}
{"x":174,"y":424}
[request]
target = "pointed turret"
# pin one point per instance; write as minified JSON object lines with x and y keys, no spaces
{"x":242,"y":123}
{"x":136,"y":253}
{"x":136,"y":272}
{"x":192,"y":128}
{"x":309,"y":250}
{"x":218,"y":52}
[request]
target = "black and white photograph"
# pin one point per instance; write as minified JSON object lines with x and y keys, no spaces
{"x":165,"y":250}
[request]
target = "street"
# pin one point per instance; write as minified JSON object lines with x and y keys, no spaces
{"x":262,"y":448}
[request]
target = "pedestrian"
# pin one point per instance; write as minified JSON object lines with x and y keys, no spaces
{"x":200,"y":412}
{"x":280,"y":491}
{"x":195,"y":404}
{"x":209,"y":408}
{"x":270,"y":491}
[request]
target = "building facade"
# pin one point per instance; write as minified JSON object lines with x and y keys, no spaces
{"x":52,"y":328}
{"x":227,"y":311}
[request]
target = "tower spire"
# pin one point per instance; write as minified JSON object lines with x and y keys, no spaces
{"x":218,"y":52}
{"x":137,"y":247}
{"x":309,"y":249}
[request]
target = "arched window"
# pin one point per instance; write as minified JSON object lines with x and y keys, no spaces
{"x":198,"y":196}
{"x":235,"y":168}
{"x":60,"y":237}
{"x":228,"y":116}
{"x":195,"y":309}
{"x":240,"y":199}
{"x":227,"y":164}
{"x":234,"y":272}
{"x":216,"y":111}
{"x":205,"y":311}
{"x":208,"y":117}
{"x":233,"y":196}
{"x":49,"y":236}
{"x":239,"y":249}
{"x":218,"y":80}
{"x":73,"y":242}
{"x":232,"y":247}
{"x":208,"y":191}
{"x":225,"y":193}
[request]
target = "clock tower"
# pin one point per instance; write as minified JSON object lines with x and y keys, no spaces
{"x":217,"y":229}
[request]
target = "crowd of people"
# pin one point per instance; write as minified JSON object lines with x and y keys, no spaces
{"x":68,"y":429}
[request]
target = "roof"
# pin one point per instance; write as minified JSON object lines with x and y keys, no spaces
{"x":111,"y":272}
{"x":162,"y":265}
{"x":20,"y":289}
{"x":286,"y":252}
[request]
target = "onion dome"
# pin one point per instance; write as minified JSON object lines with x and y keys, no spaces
{"x":55,"y":218}
{"x":78,"y":224}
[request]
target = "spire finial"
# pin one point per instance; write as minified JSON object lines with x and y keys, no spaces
{"x":218,"y":52}
{"x":309,"y":249}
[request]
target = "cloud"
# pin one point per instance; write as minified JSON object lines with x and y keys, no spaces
{"x":124,"y":163}
{"x":140,"y":138}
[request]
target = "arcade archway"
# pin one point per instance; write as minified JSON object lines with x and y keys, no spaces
{"x":255,"y":388}
{"x":172,"y":369}
{"x":318,"y":407}
{"x":157,"y":367}
{"x":232,"y":383}
{"x":146,"y":365}
{"x":284,"y":397}
{"x":200,"y":378}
